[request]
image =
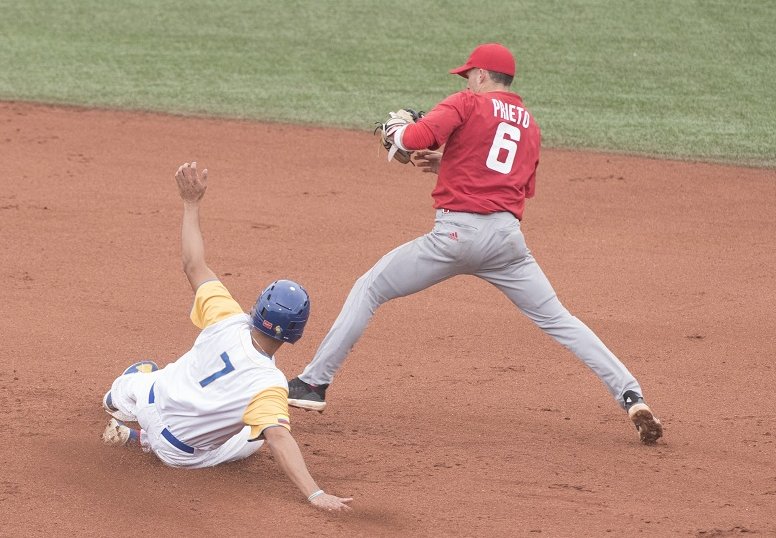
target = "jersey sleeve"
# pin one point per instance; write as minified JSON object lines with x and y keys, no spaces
{"x":268,"y":408}
{"x":418,"y":136}
{"x":447,"y":116}
{"x":213,"y":303}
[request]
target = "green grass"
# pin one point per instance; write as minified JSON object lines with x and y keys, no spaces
{"x":682,"y":78}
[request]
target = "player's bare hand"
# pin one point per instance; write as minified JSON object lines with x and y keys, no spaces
{"x":191,"y":185}
{"x":332,"y":503}
{"x":428,"y":161}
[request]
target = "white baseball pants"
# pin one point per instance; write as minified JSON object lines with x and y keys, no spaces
{"x":130,"y":394}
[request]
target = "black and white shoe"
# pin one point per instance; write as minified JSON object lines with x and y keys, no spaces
{"x":306,"y":396}
{"x":647,"y":424}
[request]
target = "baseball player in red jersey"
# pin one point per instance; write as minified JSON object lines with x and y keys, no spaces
{"x":485,"y":174}
{"x":224,"y":398}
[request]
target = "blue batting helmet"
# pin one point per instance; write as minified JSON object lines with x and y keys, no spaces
{"x":281,"y":311}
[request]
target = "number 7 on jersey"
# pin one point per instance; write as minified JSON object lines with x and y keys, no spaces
{"x":228,"y":367}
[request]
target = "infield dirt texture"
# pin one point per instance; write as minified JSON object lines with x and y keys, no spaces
{"x":454,"y":415}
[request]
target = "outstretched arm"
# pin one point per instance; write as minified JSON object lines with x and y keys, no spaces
{"x":192,"y":188}
{"x":287,"y":455}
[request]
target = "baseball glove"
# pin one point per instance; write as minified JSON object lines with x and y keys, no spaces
{"x":395,"y":121}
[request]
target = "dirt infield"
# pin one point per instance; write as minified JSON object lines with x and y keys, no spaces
{"x":454,"y":415}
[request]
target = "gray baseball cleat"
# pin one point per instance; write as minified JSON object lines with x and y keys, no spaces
{"x":647,"y":424}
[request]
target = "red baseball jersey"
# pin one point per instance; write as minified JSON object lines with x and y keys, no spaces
{"x":491,"y":152}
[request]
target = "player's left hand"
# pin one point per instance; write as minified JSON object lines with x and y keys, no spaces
{"x":332,"y":503}
{"x":191,"y":186}
{"x":396,"y":120}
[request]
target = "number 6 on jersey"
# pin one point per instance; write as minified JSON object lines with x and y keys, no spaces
{"x":506,"y":138}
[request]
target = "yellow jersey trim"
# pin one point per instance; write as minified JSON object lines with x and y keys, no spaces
{"x":267,"y":408}
{"x":213,"y":303}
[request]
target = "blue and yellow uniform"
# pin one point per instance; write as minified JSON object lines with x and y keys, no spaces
{"x":213,"y":403}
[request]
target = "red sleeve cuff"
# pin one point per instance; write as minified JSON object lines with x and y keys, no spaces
{"x":417,"y":136}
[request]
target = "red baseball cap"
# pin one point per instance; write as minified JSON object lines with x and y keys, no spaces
{"x":490,"y":56}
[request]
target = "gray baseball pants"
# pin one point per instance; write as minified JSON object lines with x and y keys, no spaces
{"x":491,"y":247}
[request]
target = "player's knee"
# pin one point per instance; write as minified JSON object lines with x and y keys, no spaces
{"x":559,"y":319}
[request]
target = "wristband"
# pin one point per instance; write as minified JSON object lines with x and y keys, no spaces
{"x":314,"y":494}
{"x":397,"y":137}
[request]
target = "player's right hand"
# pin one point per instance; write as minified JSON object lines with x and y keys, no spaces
{"x":191,"y":185}
{"x":428,"y":161}
{"x":332,"y":503}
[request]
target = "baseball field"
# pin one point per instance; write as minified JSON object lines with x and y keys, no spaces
{"x":453,"y":416}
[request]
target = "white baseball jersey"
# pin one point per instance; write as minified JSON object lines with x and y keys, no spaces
{"x":223,"y":383}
